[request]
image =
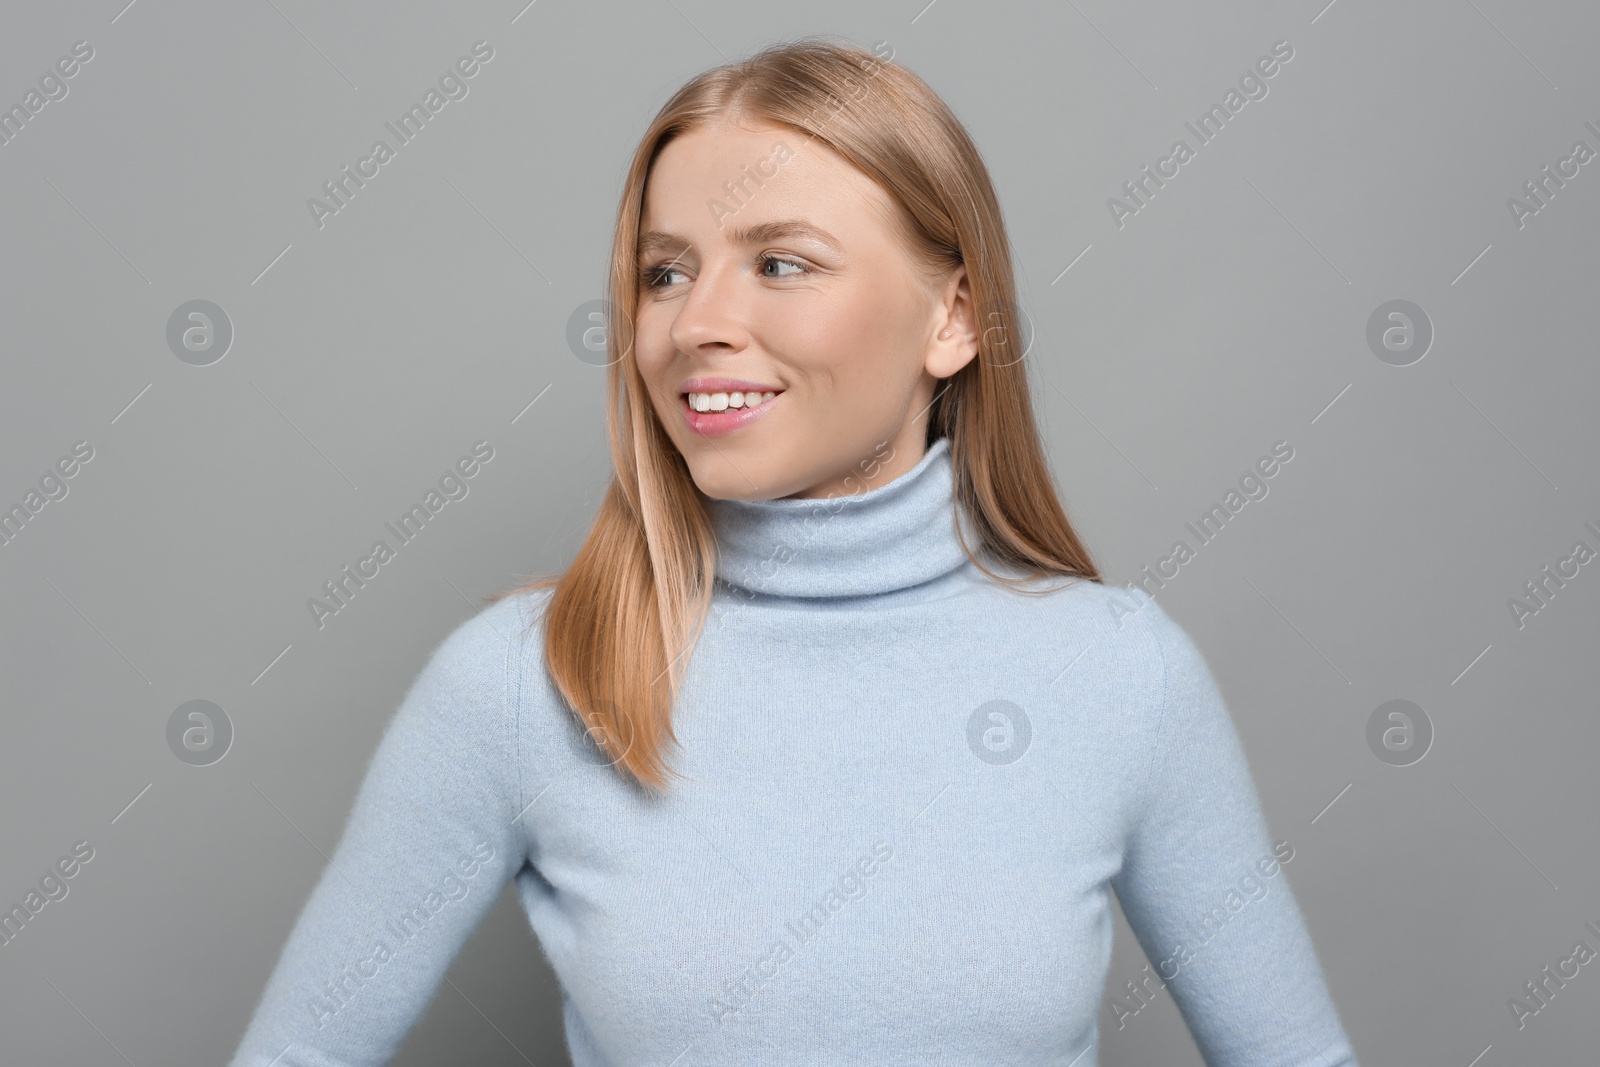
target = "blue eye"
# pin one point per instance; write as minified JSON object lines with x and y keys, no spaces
{"x":653,"y":277}
{"x":800,"y":267}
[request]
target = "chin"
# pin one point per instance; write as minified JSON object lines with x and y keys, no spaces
{"x":716,"y":477}
{"x":738,"y":489}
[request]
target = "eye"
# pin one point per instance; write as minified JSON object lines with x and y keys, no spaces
{"x":655,"y":277}
{"x":799,"y":267}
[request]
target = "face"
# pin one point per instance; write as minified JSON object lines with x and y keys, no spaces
{"x":772,"y":265}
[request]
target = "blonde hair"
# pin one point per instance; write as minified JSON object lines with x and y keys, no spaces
{"x":626,"y":614}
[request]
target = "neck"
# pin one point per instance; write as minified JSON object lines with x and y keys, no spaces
{"x":897,"y":536}
{"x":889,"y":460}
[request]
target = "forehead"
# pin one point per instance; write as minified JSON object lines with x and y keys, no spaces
{"x":715,"y":180}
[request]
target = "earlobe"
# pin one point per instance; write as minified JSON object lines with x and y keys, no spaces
{"x":946,"y":359}
{"x":949,"y":356}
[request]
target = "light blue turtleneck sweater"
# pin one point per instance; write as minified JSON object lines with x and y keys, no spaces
{"x":910,"y":795}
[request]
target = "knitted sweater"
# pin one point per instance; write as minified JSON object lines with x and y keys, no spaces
{"x":910,"y":793}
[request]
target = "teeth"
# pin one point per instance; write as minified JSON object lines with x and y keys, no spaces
{"x":724,"y":401}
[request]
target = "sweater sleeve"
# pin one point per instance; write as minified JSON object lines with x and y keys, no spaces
{"x":432,"y":838}
{"x":1204,"y":889}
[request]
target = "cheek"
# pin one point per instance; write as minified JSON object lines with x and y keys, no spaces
{"x":653,"y":350}
{"x":852,"y":343}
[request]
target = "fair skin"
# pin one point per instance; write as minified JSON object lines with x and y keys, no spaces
{"x":854,"y":340}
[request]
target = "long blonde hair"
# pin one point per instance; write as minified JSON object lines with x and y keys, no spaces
{"x":626,"y":614}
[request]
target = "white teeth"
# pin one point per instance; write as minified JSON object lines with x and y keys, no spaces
{"x":724,"y":401}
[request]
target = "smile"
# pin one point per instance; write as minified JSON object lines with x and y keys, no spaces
{"x":724,"y":401}
{"x":714,"y":414}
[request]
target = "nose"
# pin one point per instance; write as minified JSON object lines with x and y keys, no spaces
{"x":712,"y":316}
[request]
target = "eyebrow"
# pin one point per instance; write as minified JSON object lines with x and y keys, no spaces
{"x":652,"y":241}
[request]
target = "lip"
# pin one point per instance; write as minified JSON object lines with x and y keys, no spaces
{"x":717,"y":423}
{"x":724,"y":385}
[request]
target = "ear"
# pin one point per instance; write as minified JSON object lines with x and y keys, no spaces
{"x":955,"y":334}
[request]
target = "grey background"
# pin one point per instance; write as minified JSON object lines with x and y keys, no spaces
{"x":370,"y":354}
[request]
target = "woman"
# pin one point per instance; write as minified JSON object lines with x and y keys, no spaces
{"x":916,"y":742}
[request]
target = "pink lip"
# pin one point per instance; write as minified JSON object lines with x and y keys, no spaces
{"x":724,"y":385}
{"x":717,"y":423}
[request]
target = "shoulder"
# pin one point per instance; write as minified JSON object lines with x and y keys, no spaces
{"x":510,"y":635}
{"x":477,"y":662}
{"x":1117,"y":638}
{"x":1132,"y":617}
{"x":490,"y":635}
{"x":1098,"y":613}
{"x":1186,"y":708}
{"x":1183,"y":665}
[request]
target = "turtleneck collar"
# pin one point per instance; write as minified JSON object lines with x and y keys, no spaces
{"x":901,"y":534}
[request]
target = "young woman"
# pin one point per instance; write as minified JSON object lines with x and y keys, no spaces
{"x":831,"y":745}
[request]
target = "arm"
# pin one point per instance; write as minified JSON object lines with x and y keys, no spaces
{"x":431,"y":841}
{"x":1203,"y":888}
